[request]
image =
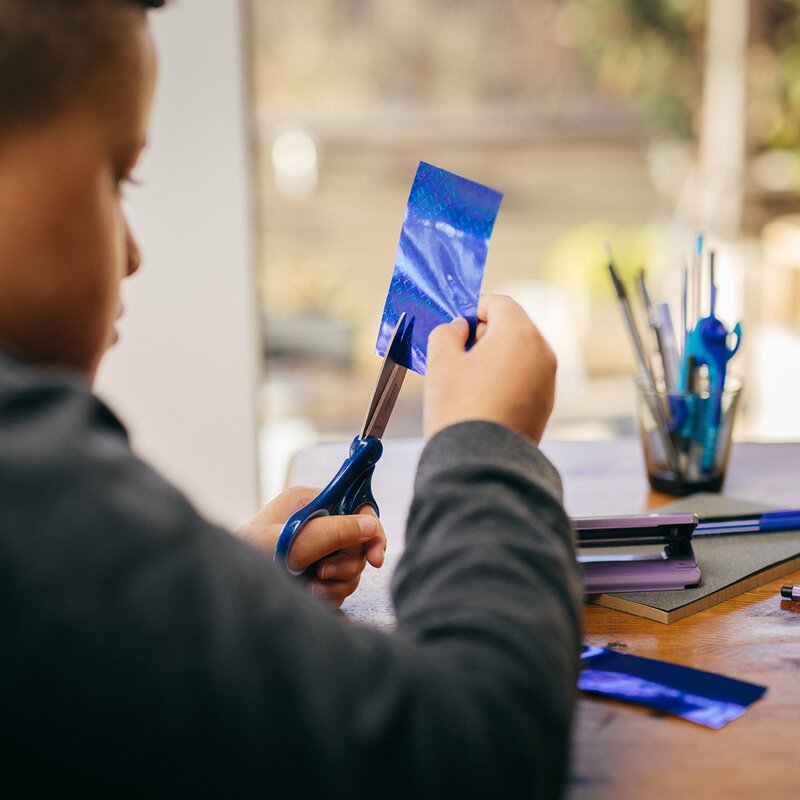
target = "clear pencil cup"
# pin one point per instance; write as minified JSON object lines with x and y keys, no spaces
{"x":686,"y":436}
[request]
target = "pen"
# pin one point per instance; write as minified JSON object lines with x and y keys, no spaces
{"x":712,"y":285}
{"x":790,"y":592}
{"x":762,"y":523}
{"x":654,"y":322}
{"x":645,"y":373}
{"x":697,"y":278}
{"x":670,"y":354}
{"x":684,"y":306}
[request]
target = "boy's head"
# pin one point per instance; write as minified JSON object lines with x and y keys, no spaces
{"x":76,"y":82}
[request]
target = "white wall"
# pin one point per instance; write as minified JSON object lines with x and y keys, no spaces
{"x":184,"y":375}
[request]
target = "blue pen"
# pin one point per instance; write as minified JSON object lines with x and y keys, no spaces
{"x":712,"y":285}
{"x":697,"y":277}
{"x":763,"y":523}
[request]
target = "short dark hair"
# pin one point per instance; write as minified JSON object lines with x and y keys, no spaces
{"x":51,"y":50}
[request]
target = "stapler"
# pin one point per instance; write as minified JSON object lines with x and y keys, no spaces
{"x":659,"y":557}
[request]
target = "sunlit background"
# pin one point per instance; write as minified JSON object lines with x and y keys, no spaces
{"x":638,"y":122}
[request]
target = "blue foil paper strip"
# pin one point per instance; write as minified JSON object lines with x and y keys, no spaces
{"x":440,"y":259}
{"x":703,"y":697}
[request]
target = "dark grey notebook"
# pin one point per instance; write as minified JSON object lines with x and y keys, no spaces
{"x":729,"y":565}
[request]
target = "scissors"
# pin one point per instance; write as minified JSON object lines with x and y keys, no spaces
{"x":351,"y":487}
{"x":708,"y":345}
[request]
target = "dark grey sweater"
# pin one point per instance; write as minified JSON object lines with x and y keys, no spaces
{"x":145,"y":652}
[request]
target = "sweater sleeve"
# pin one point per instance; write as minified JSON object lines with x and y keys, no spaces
{"x":489,"y":586}
{"x":147,"y":652}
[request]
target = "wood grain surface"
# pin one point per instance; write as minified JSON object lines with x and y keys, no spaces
{"x":620,"y":750}
{"x":623,"y":751}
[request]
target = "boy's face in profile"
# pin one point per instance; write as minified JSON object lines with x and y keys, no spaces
{"x":65,"y":244}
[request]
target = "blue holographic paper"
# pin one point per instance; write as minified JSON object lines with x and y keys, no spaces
{"x":702,"y":697}
{"x":440,"y":259}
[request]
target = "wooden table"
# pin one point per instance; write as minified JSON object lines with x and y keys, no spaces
{"x":620,"y":750}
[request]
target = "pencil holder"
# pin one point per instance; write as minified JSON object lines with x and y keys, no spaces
{"x":686,"y":436}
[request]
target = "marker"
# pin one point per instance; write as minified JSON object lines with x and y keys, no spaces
{"x":790,"y":592}
{"x":763,"y":523}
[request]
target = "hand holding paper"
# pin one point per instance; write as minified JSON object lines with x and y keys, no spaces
{"x":440,"y":259}
{"x":508,"y":377}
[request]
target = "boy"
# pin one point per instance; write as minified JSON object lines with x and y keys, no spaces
{"x":144,"y":651}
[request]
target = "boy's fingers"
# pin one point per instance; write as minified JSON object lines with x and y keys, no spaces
{"x":375,"y":547}
{"x":448,"y":338}
{"x":489,"y":305}
{"x":335,"y":592}
{"x":326,"y":535}
{"x":506,"y":317}
{"x":375,"y":551}
{"x":261,"y":528}
{"x":500,"y":309}
{"x":291,"y":500}
{"x":348,"y":563}
{"x":342,"y":566}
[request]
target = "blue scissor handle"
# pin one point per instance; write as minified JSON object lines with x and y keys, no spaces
{"x":349,"y":489}
{"x":708,"y":344}
{"x":678,"y":413}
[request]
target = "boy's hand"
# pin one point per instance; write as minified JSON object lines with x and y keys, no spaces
{"x":507,"y":377}
{"x":341,"y":544}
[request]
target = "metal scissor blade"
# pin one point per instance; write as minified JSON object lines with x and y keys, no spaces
{"x":387,"y":387}
{"x":375,"y":425}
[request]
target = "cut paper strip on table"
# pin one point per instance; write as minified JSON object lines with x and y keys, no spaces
{"x":702,"y":697}
{"x":440,"y":260}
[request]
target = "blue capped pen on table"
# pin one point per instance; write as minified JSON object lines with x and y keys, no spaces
{"x":351,"y":487}
{"x":750,"y":523}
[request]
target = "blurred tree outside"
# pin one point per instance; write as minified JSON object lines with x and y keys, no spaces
{"x":651,"y":53}
{"x":648,"y":53}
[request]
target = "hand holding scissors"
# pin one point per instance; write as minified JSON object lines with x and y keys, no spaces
{"x":351,"y":487}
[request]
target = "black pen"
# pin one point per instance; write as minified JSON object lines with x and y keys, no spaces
{"x":790,"y":592}
{"x":643,"y":365}
{"x":654,"y":322}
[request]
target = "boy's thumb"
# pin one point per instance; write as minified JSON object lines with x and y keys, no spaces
{"x":448,"y":338}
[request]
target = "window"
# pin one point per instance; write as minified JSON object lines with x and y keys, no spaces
{"x":588,"y":116}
